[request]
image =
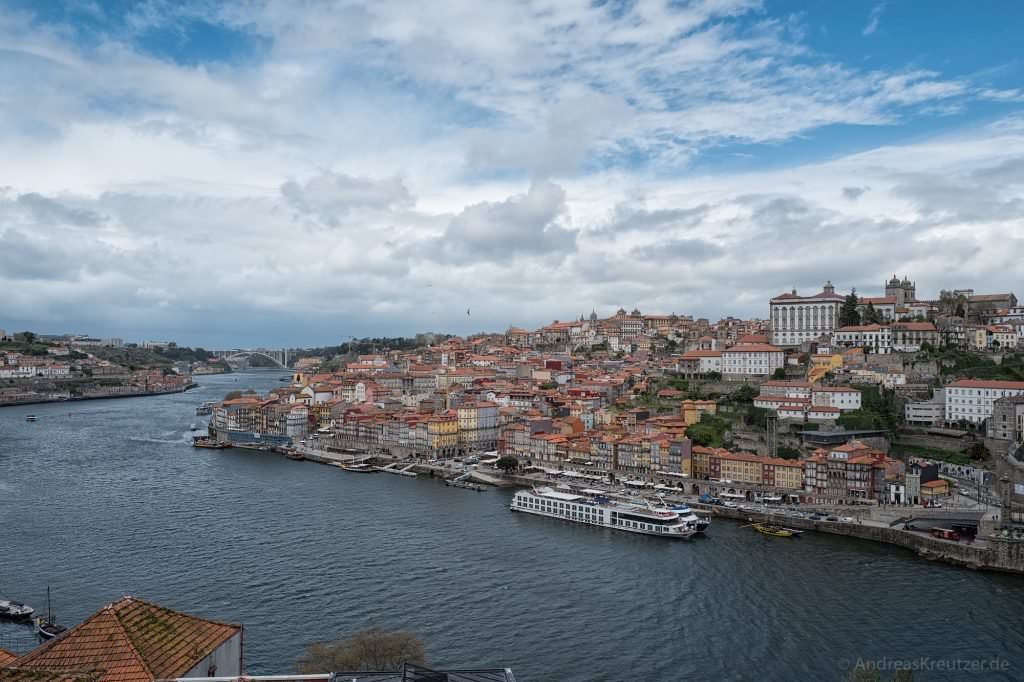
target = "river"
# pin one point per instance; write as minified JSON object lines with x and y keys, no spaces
{"x":105,"y":498}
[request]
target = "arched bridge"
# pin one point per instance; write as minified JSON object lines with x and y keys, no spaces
{"x":278,"y":357}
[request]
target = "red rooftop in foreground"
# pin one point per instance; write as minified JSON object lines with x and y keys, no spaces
{"x":133,"y":640}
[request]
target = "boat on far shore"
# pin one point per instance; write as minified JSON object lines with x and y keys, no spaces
{"x":773,"y":530}
{"x":359,"y":468}
{"x":209,"y":443}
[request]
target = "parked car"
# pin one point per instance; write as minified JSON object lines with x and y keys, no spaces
{"x":831,"y":518}
{"x":846,"y":519}
{"x":730,"y":505}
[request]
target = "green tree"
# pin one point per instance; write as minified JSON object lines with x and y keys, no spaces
{"x":371,"y":649}
{"x":779,"y":373}
{"x":978,"y":451}
{"x":871,"y":315}
{"x":744,"y":394}
{"x":507,"y":463}
{"x":848,"y":315}
{"x":25,"y":337}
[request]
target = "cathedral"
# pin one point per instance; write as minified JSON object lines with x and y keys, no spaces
{"x":904,"y":292}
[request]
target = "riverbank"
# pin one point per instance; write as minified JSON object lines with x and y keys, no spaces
{"x":79,"y":398}
{"x":991,"y":554}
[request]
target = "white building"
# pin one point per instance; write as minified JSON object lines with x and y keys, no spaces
{"x":926,"y":412}
{"x":702,"y":361}
{"x":754,"y":359}
{"x":873,"y":338}
{"x":840,"y":397}
{"x":971,"y":399}
{"x":796,"y":319}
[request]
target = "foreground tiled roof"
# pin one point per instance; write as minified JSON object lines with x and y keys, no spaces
{"x":131,"y":640}
{"x":32,"y":675}
{"x":6,"y":657}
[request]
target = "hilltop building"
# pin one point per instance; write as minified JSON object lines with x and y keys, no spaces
{"x":796,"y":319}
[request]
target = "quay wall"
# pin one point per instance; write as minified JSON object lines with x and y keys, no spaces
{"x":78,"y":398}
{"x":989,"y":554}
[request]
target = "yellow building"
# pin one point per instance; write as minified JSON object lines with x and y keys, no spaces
{"x":821,"y":365}
{"x":933,"y":489}
{"x":443,"y":433}
{"x":692,"y":410}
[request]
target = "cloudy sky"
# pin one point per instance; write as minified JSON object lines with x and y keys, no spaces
{"x":298,"y":172}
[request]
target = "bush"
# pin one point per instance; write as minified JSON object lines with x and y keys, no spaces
{"x":371,"y":649}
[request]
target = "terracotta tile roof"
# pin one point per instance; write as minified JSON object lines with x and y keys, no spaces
{"x":6,"y":657}
{"x":132,"y":640}
{"x":32,"y":675}
{"x":982,"y":383}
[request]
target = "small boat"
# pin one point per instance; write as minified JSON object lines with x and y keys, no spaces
{"x":774,"y":531}
{"x":48,"y":627}
{"x":15,"y":610}
{"x":30,"y":417}
{"x":359,"y":468}
{"x":206,"y":442}
{"x":295,"y":455}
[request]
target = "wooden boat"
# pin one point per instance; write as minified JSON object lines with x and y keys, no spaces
{"x":47,"y":628}
{"x":774,"y":531}
{"x":296,"y":455}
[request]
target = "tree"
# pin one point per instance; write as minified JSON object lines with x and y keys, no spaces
{"x":848,"y":315}
{"x":744,"y":394}
{"x":370,"y":649}
{"x":25,"y":337}
{"x":871,"y":315}
{"x":507,"y":463}
{"x":978,"y":451}
{"x":779,"y":373}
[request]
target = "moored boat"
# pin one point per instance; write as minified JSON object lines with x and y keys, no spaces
{"x":30,"y":417}
{"x":15,"y":610}
{"x":359,"y":468}
{"x":207,"y":442}
{"x":47,"y":628}
{"x":772,"y":530}
{"x":602,"y":511}
{"x":295,"y":455}
{"x":698,"y":523}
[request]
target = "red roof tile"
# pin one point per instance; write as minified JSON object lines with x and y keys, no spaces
{"x":6,"y":657}
{"x":131,"y":640}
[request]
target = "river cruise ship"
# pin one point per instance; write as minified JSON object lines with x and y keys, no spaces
{"x":601,"y":511}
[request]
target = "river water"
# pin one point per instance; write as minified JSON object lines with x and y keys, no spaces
{"x":105,"y":498}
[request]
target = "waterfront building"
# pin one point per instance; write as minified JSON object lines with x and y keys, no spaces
{"x":798,"y":319}
{"x":849,"y":473}
{"x":972,"y":399}
{"x":132,"y":640}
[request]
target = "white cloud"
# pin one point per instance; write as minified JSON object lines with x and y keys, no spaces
{"x":874,"y":18}
{"x":382,"y":167}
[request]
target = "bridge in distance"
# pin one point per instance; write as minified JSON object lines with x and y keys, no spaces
{"x":238,"y":356}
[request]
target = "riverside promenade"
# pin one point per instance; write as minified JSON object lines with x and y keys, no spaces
{"x":885,"y":525}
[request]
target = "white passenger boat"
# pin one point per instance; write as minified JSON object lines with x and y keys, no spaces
{"x":698,"y":523}
{"x":601,"y":511}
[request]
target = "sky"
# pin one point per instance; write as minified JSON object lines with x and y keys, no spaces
{"x":295,"y":173}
